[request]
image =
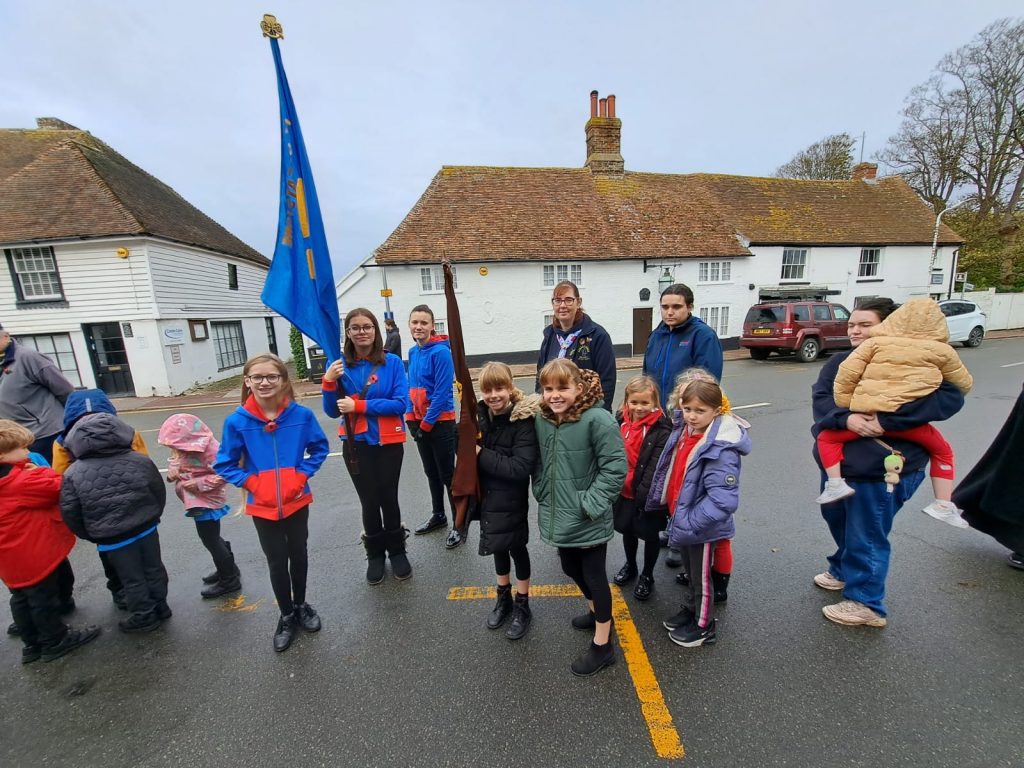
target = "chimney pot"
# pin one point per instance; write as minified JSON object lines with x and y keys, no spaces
{"x":604,"y":153}
{"x":865,"y":172}
{"x":611,"y":105}
{"x":604,"y":107}
{"x":593,"y":103}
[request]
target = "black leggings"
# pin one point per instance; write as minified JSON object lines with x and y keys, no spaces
{"x":209,"y":534}
{"x":377,"y":484}
{"x":503,"y":562}
{"x":586,"y":566}
{"x":284,"y":544}
{"x":630,"y":543}
{"x":437,"y":453}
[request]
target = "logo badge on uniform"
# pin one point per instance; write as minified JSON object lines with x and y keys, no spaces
{"x":730,"y":479}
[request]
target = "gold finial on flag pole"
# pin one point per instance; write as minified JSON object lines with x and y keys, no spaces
{"x":272,"y":27}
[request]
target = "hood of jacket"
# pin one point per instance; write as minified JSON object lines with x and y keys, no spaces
{"x":185,"y":432}
{"x":519,"y":410}
{"x":438,"y":339}
{"x":100,"y":434}
{"x":82,"y":402}
{"x":592,"y":395}
{"x":915,"y":319}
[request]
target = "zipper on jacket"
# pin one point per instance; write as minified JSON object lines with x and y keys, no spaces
{"x":277,"y":476}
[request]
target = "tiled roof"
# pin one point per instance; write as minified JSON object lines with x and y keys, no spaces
{"x":519,"y":214}
{"x":57,"y":184}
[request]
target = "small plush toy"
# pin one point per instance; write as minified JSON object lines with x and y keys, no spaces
{"x":893,"y":466}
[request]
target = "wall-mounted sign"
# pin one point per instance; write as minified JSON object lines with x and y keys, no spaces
{"x":173,"y":335}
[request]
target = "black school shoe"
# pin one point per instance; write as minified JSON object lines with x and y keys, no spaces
{"x":625,"y":575}
{"x":14,"y":630}
{"x":594,"y":659}
{"x":31,"y":653}
{"x":432,"y":523}
{"x":307,"y":618}
{"x":644,"y":588}
{"x":140,"y":622}
{"x":690,"y":636}
{"x":163,"y":610}
{"x":75,"y":638}
{"x":285,"y":632}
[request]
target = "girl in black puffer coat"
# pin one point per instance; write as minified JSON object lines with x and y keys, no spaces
{"x":506,"y":457}
{"x":645,"y":429}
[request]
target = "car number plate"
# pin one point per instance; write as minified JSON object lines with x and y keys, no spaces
{"x":762,"y":331}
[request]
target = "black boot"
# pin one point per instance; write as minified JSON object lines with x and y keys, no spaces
{"x":307,"y":618}
{"x":74,"y":638}
{"x":285,"y":633}
{"x":229,"y":579}
{"x":720,"y":581}
{"x":140,"y":622}
{"x":594,"y":659}
{"x":395,"y":544}
{"x":521,"y":616}
{"x":14,"y":630}
{"x":375,"y":553}
{"x":502,"y":608}
{"x":213,"y":578}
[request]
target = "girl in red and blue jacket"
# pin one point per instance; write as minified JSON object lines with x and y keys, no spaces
{"x":271,"y":447}
{"x":431,"y":415}
{"x":369,"y":391}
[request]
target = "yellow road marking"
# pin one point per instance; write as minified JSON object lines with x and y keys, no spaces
{"x":664,"y":736}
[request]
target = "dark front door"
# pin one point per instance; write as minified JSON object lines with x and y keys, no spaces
{"x":642,"y":317}
{"x":271,"y":335}
{"x":109,"y":360}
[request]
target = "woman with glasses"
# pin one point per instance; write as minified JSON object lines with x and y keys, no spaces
{"x":572,"y":335}
{"x":271,"y":447}
{"x":368,"y":390}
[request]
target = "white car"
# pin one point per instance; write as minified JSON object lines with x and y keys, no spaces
{"x":966,"y":321}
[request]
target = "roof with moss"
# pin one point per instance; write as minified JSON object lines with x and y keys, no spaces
{"x":62,"y":182}
{"x":528,"y":214}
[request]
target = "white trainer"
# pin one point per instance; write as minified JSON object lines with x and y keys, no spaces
{"x":851,"y":613}
{"x":947,"y":512}
{"x":826,"y":580}
{"x":835,"y":492}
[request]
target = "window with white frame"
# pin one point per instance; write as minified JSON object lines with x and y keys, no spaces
{"x":556,"y":273}
{"x":870,"y":259}
{"x":794,"y":263}
{"x":549,"y":318}
{"x":432,"y":279}
{"x":714,"y":272}
{"x":229,"y":343}
{"x":57,"y":347}
{"x":717,"y":317}
{"x":440,"y":327}
{"x":34,"y":272}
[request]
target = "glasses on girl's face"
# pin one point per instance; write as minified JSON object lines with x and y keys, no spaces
{"x":270,"y":378}
{"x":567,"y":300}
{"x":360,"y":329}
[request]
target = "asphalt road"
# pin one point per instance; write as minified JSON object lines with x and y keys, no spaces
{"x":403,"y":676}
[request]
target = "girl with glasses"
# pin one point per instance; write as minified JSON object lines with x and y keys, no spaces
{"x":271,"y":447}
{"x":573,"y":336}
{"x":369,"y":391}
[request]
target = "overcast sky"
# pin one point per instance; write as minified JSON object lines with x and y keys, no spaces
{"x":389,"y":91}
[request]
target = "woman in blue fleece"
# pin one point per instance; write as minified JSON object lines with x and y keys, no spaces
{"x":271,"y":447}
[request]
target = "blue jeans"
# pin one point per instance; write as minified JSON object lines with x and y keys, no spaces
{"x":860,"y":526}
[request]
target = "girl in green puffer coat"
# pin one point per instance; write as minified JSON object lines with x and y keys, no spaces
{"x":581,"y":473}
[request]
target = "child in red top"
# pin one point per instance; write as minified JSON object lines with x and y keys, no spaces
{"x":33,"y":542}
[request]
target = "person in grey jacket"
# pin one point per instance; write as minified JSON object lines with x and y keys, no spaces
{"x":114,"y":497}
{"x":32,"y":393}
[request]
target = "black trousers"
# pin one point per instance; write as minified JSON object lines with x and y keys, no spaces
{"x":65,"y":582}
{"x":36,"y":611}
{"x":698,"y":595}
{"x":113,"y":580}
{"x":142,"y":573}
{"x":380,"y":467}
{"x":437,"y":452}
{"x":586,"y":566}
{"x":209,"y":534}
{"x":503,"y":562}
{"x":284,"y":544}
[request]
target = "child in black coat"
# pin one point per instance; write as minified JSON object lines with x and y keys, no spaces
{"x":644,"y":431}
{"x":506,"y":456}
{"x":114,"y":496}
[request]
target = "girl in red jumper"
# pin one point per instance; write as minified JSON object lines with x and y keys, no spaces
{"x":271,"y":447}
{"x":644,"y":430}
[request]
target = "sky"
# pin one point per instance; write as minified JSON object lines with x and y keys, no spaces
{"x":388,"y":91}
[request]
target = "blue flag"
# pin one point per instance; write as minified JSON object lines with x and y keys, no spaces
{"x":300,"y":284}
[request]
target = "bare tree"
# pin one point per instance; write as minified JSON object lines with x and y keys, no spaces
{"x":828,"y":159}
{"x":929,"y":148}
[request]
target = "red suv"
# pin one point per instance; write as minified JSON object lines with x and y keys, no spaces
{"x":801,"y":327}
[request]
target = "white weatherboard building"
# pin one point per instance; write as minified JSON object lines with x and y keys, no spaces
{"x":512,"y":233}
{"x":117,"y":278}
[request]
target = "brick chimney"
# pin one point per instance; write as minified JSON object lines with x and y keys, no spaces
{"x":865,"y":172}
{"x":604,"y":130}
{"x":53,"y":124}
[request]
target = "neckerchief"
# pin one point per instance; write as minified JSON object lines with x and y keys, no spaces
{"x":633,"y":435}
{"x":564,"y":342}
